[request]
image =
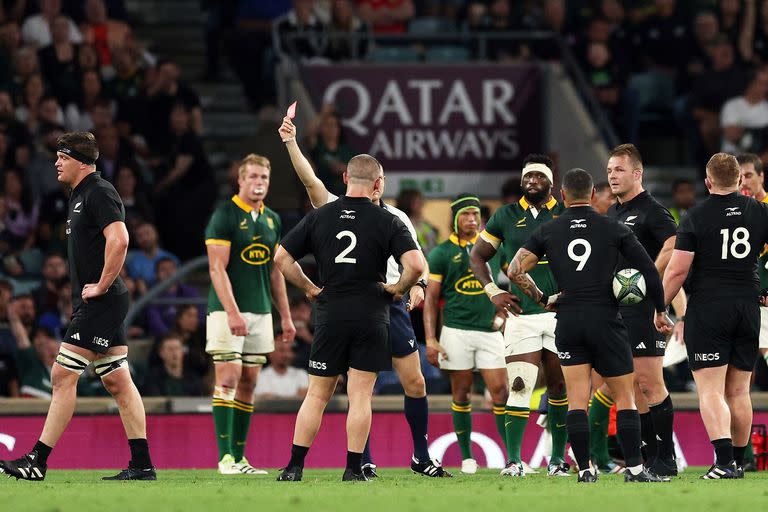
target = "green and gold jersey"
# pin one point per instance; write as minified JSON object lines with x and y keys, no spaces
{"x":466,"y":305}
{"x":252,"y":238}
{"x":511,"y":226}
{"x":762,"y":262}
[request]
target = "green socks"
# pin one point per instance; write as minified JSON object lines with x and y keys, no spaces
{"x":462,"y":425}
{"x":557,"y":411}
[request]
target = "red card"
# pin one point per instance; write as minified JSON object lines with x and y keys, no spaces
{"x":291,"y":113}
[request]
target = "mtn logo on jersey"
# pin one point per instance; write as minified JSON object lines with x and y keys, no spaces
{"x":715,"y":356}
{"x":468,"y":285}
{"x":347,"y":214}
{"x":578,"y":223}
{"x":628,"y":220}
{"x":256,"y":254}
{"x":733,"y":210}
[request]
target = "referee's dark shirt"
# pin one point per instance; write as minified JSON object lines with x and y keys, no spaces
{"x":726,"y":233}
{"x":93,"y":205}
{"x":583,"y":247}
{"x":651,"y":223}
{"x":351,"y":239}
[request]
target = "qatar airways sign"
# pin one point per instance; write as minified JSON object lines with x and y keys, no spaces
{"x":436,"y":118}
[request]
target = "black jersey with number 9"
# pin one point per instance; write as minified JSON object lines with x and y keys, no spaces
{"x":583,"y":248}
{"x":351,"y":239}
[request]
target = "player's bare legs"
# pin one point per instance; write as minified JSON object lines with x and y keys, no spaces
{"x":359,"y":391}
{"x":310,"y":414}
{"x":129,"y":403}
{"x":246,"y":384}
{"x":408,"y":368}
{"x":64,"y":396}
{"x":496,"y":381}
{"x":737,"y":384}
{"x":716,"y":414}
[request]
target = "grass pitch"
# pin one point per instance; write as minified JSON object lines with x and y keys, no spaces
{"x":396,"y":489}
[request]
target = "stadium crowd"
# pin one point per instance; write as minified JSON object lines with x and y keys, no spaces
{"x":68,"y":65}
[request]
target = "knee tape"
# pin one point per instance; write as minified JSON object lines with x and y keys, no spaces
{"x":72,"y":361}
{"x":254,"y":359}
{"x":224,"y":393}
{"x":106,"y":365}
{"x":227,"y":357}
{"x":522,"y":379}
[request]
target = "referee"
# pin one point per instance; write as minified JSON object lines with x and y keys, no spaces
{"x":97,"y":244}
{"x":583,"y":248}
{"x":351,"y":239}
{"x":718,"y":243}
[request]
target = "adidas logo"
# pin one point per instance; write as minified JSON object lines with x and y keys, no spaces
{"x":76,"y":336}
{"x":641,"y":346}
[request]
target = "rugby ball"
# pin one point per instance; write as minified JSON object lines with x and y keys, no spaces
{"x":628,"y":286}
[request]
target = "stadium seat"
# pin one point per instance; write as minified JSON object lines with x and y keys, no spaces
{"x":393,"y":54}
{"x":428,"y":25}
{"x":447,"y":54}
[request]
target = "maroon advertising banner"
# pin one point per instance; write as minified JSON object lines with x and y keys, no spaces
{"x":475,"y":118}
{"x":188,"y":441}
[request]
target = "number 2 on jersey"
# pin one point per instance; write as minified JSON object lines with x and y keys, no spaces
{"x":582,"y":258}
{"x":342,"y":256}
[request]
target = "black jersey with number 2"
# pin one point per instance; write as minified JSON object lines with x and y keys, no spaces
{"x":583,"y":248}
{"x":93,"y":205}
{"x":351,"y":239}
{"x":727,"y":233}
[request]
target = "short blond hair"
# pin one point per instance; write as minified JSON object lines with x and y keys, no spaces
{"x":723,"y":170}
{"x":253,"y":159}
{"x":631,"y":152}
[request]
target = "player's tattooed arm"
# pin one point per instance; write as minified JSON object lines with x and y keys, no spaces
{"x":524,"y":261}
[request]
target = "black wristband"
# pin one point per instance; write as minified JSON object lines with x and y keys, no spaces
{"x":423,"y":283}
{"x":544,"y":299}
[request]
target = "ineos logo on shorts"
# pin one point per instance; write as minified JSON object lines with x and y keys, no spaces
{"x":707,"y":357}
{"x":317,"y":365}
{"x":564,"y":355}
{"x":100,"y":341}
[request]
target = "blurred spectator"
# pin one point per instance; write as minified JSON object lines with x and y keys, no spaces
{"x":54,"y":273}
{"x":51,"y":233}
{"x":141,"y":264}
{"x":17,"y":136}
{"x":22,"y":213}
{"x":102,"y":32}
{"x":165,"y":93}
{"x":603,"y":198}
{"x":191,"y":331}
{"x":10,"y":41}
{"x":7,"y":341}
{"x":730,"y":19}
{"x":281,"y":379}
{"x":25,"y":64}
{"x":36,"y":29}
{"x":58,"y":63}
{"x":608,"y":80}
{"x":9,"y":376}
{"x":705,"y":30}
{"x":301,"y":314}
{"x":79,"y":115}
{"x":187,"y":179}
{"x":137,"y":206}
{"x":511,"y":191}
{"x":219,"y":19}
{"x":744,"y":118}
{"x":683,"y":198}
{"x":161,"y":318}
{"x":114,"y":153}
{"x":329,"y":152}
{"x":390,"y":17}
{"x":300,"y":21}
{"x":172,"y":377}
{"x":759,"y":54}
{"x":58,"y":320}
{"x":666,"y":28}
{"x":343,"y":19}
{"x":34,"y":358}
{"x":411,"y":202}
{"x":723,"y":80}
{"x":42,"y":171}
{"x":129,"y":75}
{"x":24,"y":307}
{"x":448,"y":9}
{"x":87,"y":58}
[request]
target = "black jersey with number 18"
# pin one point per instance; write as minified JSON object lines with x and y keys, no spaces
{"x":351,"y":239}
{"x":726,"y":233}
{"x":583,"y":248}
